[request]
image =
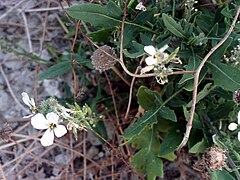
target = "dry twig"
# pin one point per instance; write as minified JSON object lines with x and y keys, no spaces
{"x":11,"y":91}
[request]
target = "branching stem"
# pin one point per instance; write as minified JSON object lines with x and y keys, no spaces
{"x":196,"y":81}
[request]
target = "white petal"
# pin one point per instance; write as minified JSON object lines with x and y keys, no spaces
{"x":32,"y":102}
{"x":60,"y":130}
{"x":52,"y":117}
{"x":239,"y":136}
{"x":28,"y":116}
{"x":47,"y":138}
{"x":146,"y":69}
{"x":26,"y":99}
{"x":39,"y":121}
{"x":150,"y":50}
{"x":239,"y":117}
{"x":165,"y":56}
{"x":140,"y":6}
{"x":150,"y":61}
{"x":232,"y":126}
{"x":162,"y":49}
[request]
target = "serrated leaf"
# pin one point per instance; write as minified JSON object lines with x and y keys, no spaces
{"x":173,"y":26}
{"x":154,"y":168}
{"x":225,"y":75}
{"x":146,"y":160}
{"x":56,"y":70}
{"x":171,"y":141}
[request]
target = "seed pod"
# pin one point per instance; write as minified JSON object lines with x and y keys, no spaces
{"x":102,"y":61}
{"x":215,"y":158}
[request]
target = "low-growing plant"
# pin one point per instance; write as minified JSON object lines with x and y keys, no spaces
{"x":183,"y":58}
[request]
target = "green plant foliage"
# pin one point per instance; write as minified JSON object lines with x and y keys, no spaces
{"x":146,"y":98}
{"x":173,"y":26}
{"x":101,"y":16}
{"x":56,"y":70}
{"x":171,"y":140}
{"x":163,"y":41}
{"x":199,"y":147}
{"x":149,"y":118}
{"x":146,"y":160}
{"x":225,"y":76}
{"x":221,"y":174}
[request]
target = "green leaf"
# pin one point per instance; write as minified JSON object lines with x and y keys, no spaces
{"x":192,"y":65}
{"x":187,"y":80}
{"x":55,"y":70}
{"x":199,"y":147}
{"x":100,"y":35}
{"x":154,"y":167}
{"x":226,"y":12}
{"x":149,"y":117}
{"x":203,"y":93}
{"x":135,"y":51}
{"x":170,"y":157}
{"x":167,"y":113}
{"x":225,"y":75}
{"x":146,"y":98}
{"x":173,"y":26}
{"x":196,"y":122}
{"x":205,"y":22}
{"x":83,"y":61}
{"x":171,"y":141}
{"x":221,"y":111}
{"x":221,"y":175}
{"x":218,"y":54}
{"x":146,"y":160}
{"x":100,"y":129}
{"x":106,"y":16}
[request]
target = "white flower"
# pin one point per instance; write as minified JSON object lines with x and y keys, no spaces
{"x":28,"y":101}
{"x":234,"y":126}
{"x":140,"y":7}
{"x":156,"y":55}
{"x":50,"y":123}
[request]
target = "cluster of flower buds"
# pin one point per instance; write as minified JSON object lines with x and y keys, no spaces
{"x":190,"y":5}
{"x":52,"y":117}
{"x":235,"y":55}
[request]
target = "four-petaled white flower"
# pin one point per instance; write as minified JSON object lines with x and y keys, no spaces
{"x":52,"y":126}
{"x":156,"y":55}
{"x":28,"y":101}
{"x":234,"y":126}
